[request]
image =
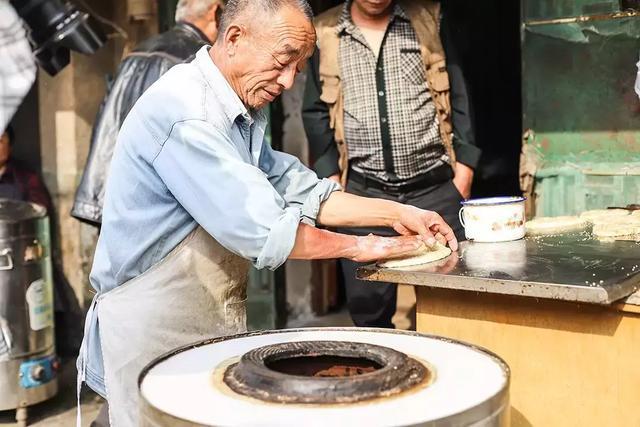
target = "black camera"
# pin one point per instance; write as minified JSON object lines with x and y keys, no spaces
{"x":56,"y":28}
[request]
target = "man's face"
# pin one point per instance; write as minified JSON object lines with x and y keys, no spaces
{"x":266,"y":60}
{"x":373,"y":8}
{"x":5,"y":149}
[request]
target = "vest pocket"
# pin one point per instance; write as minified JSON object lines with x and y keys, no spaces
{"x":235,"y":316}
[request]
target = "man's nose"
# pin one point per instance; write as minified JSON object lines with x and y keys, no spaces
{"x":286,"y":77}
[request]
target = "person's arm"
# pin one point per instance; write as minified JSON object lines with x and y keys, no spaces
{"x":348,"y":210}
{"x":295,"y":183}
{"x":37,"y":192}
{"x":315,"y":117}
{"x":467,"y":153}
{"x":319,"y":200}
{"x":235,"y":203}
{"x":314,"y":243}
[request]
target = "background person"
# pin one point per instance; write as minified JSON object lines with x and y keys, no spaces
{"x":386,"y":113}
{"x":195,"y":195}
{"x":196,"y":25}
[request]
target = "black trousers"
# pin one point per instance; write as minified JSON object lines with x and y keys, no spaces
{"x":373,"y":304}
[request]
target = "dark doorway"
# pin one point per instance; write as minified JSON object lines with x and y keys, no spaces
{"x":487,"y":37}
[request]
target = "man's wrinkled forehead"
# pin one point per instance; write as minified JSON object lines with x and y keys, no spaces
{"x":290,"y":31}
{"x":295,"y":46}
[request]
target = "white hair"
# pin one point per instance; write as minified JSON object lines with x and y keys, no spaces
{"x":193,"y":9}
{"x":234,"y":9}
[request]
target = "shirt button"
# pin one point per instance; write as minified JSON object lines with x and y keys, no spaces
{"x":379,"y":68}
{"x":381,"y":93}
{"x":383,"y":120}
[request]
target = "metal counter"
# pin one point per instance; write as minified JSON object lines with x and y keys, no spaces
{"x":570,"y":267}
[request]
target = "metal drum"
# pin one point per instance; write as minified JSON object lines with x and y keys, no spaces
{"x":27,"y":353}
{"x":326,"y":377}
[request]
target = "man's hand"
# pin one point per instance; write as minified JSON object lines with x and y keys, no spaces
{"x":427,"y":224}
{"x":373,"y":248}
{"x":463,"y":179}
{"x":342,"y":209}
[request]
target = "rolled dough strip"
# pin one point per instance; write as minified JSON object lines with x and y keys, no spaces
{"x":555,"y":224}
{"x":598,"y":214}
{"x":423,"y":255}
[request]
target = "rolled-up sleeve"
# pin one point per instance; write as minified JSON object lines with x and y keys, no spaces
{"x":298,"y":185}
{"x":233,"y":200}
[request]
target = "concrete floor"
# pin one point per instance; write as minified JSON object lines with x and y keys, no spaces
{"x":61,"y":410}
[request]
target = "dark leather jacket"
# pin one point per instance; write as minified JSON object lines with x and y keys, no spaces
{"x":138,"y":70}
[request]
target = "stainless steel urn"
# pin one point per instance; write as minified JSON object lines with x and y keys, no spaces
{"x":28,"y":365}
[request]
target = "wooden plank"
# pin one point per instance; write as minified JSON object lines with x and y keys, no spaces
{"x":572,"y":364}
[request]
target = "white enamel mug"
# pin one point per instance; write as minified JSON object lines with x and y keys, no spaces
{"x":494,"y":219}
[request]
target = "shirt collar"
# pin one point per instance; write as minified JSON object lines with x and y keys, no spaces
{"x":231,"y":103}
{"x":345,"y":23}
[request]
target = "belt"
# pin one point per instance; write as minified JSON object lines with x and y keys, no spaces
{"x":433,"y":177}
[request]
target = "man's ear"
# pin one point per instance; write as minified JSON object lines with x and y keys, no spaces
{"x":232,"y":37}
{"x":215,"y":13}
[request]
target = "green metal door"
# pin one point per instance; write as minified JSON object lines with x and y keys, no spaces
{"x":580,"y":110}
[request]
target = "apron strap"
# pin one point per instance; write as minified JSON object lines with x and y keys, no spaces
{"x":82,"y":359}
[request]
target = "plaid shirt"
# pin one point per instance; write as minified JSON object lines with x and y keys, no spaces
{"x":18,"y":69}
{"x":390,"y":121}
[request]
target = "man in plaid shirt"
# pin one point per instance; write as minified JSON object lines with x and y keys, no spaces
{"x":392,"y":142}
{"x":18,"y":69}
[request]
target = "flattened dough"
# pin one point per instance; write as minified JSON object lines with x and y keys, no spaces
{"x":636,"y":214}
{"x":619,"y":220}
{"x":628,"y":229}
{"x":555,"y":224}
{"x":423,"y":255}
{"x":599,"y":214}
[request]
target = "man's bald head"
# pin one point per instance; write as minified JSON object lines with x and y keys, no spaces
{"x":250,"y":12}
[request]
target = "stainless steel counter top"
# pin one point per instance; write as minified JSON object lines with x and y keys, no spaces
{"x":571,"y":267}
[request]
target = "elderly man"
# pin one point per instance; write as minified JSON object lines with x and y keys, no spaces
{"x":196,"y":25}
{"x":194,"y":195}
{"x":386,"y":114}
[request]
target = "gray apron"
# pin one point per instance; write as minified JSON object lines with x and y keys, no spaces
{"x":196,"y":292}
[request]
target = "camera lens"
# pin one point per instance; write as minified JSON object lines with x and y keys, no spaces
{"x":55,"y":29}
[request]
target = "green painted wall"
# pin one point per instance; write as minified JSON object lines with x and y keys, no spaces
{"x":552,"y":9}
{"x":579,"y":103}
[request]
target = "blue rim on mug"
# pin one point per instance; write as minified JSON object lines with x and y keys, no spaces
{"x":493,"y":201}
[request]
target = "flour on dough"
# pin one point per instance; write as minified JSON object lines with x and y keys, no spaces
{"x":617,"y":220}
{"x":600,"y":214}
{"x":555,"y":224}
{"x":629,"y":229}
{"x":423,"y":255}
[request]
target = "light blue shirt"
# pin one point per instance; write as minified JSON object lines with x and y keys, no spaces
{"x":190,"y":153}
